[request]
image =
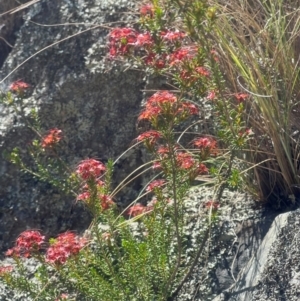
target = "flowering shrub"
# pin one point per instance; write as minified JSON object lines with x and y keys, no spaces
{"x":140,"y":252}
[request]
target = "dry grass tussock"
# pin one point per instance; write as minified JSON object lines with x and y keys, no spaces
{"x":259,"y":42}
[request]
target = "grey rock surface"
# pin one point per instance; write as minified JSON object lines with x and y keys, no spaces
{"x":253,"y":273}
{"x":273,"y":272}
{"x":60,"y":49}
{"x":234,"y":239}
{"x":9,"y":23}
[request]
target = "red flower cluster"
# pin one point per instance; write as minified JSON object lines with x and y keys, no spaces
{"x":166,"y":104}
{"x":163,"y":151}
{"x":121,"y":41}
{"x":105,"y":200}
{"x":86,"y":194}
{"x":125,"y":41}
{"x":29,"y":241}
{"x":156,"y":165}
{"x":161,"y":98}
{"x":144,"y":39}
{"x":202,"y":71}
{"x":211,"y":95}
{"x":155,"y":60}
{"x":155,"y":184}
{"x":149,"y":137}
{"x":207,"y":146}
{"x":241,"y":97}
{"x":5,"y":270}
{"x":182,"y":54}
{"x":185,"y":160}
{"x":90,"y":169}
{"x":83,"y":196}
{"x":201,"y":169}
{"x":215,"y":55}
{"x":62,"y":297}
{"x":191,"y":76}
{"x":207,"y":143}
{"x":53,"y":137}
{"x":187,"y":77}
{"x":212,"y":204}
{"x":188,"y":108}
{"x":172,"y":36}
{"x":137,"y":209}
{"x":157,"y":103}
{"x":119,"y":34}
{"x":66,"y":245}
{"x":18,"y":86}
{"x":147,"y":10}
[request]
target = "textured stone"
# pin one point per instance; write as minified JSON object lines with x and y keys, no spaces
{"x":234,"y":239}
{"x":73,"y":87}
{"x":272,"y":273}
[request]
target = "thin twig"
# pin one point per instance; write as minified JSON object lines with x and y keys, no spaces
{"x":18,"y":8}
{"x":49,"y":46}
{"x":23,"y":6}
{"x":176,"y":218}
{"x":6,"y":42}
{"x":259,"y":95}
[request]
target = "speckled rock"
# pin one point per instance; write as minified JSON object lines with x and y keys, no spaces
{"x":273,"y":272}
{"x":234,"y":239}
{"x":9,"y":23}
{"x":60,"y":49}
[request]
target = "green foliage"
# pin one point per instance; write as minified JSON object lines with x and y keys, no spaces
{"x":235,"y":179}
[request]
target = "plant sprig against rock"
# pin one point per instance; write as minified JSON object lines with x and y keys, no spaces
{"x":46,"y":164}
{"x":142,"y":252}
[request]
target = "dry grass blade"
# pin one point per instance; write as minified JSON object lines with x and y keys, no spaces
{"x":20,"y":7}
